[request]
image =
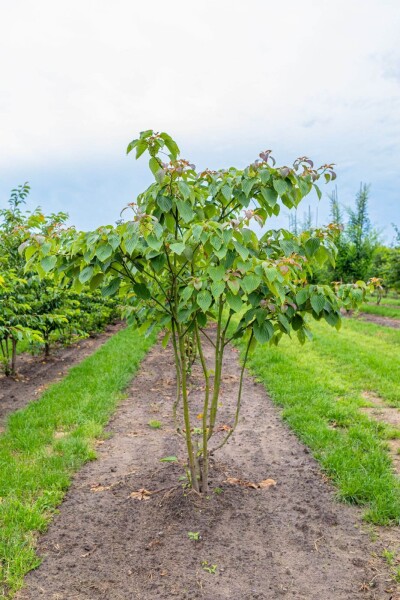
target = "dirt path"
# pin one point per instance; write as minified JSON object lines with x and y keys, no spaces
{"x":289,"y":541}
{"x":35,"y":373}
{"x":378,"y":320}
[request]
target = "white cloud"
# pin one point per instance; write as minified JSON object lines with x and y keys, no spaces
{"x":79,"y":78}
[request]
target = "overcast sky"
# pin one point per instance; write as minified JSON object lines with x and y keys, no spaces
{"x":226,"y":78}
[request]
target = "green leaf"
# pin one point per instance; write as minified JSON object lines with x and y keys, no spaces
{"x":271,"y":273}
{"x":154,"y":165}
{"x":146,"y":133}
{"x":169,"y":459}
{"x":201,"y":318}
{"x":96,"y":281}
{"x":332,"y":318}
{"x":270,"y":196}
{"x":184,"y":189}
{"x":111,"y":288}
{"x":317,"y":302}
{"x":311,"y":246}
{"x":319,"y":193}
{"x":263,"y":332}
{"x":247,"y":186}
{"x":226,"y":192}
{"x":288,"y":247}
{"x":141,"y":291}
{"x":141,"y":147}
{"x":177,"y":248}
{"x":185,"y":294}
{"x":216,"y":242}
{"x":221,"y":253}
{"x":171,"y":145}
{"x":301,"y":335}
{"x":131,"y":146}
{"x":241,"y":250}
{"x":154,"y":242}
{"x":86,"y":274}
{"x":114,"y":240}
{"x":250,"y":282}
{"x":284,"y":322}
{"x":204,"y":300}
{"x":234,"y":285}
{"x":264,"y":175}
{"x":302,"y":296}
{"x":165,"y":203}
{"x":130,"y":243}
{"x":217,"y":288}
{"x":157,"y":262}
{"x":234,"y":301}
{"x":280,"y":186}
{"x":29,"y":252}
{"x":103,"y":252}
{"x":227,"y":235}
{"x":185,"y":210}
{"x":165,"y":340}
{"x":297,"y":322}
{"x":184,"y":314}
{"x":48,"y":263}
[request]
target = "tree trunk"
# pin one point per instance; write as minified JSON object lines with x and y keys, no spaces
{"x":14,"y":357}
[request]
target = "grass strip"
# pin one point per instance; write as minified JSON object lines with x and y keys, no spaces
{"x":45,"y":443}
{"x":391,"y":299}
{"x":365,"y":356}
{"x":381,"y":310}
{"x":320,"y":387}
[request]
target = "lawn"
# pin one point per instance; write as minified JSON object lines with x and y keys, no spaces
{"x":320,"y":387}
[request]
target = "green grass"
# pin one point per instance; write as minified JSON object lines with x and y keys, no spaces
{"x":320,"y":387}
{"x":36,"y":465}
{"x":381,"y":310}
{"x":390,"y":300}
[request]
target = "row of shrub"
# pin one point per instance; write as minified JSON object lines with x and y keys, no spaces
{"x":34,"y":311}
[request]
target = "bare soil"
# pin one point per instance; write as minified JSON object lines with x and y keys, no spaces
{"x":291,"y":540}
{"x":36,"y":373}
{"x":378,"y":320}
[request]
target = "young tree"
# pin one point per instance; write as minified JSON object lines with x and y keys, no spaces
{"x":34,"y":308}
{"x":356,"y":241}
{"x":188,"y":256}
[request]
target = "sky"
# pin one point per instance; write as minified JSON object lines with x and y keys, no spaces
{"x":226,"y":78}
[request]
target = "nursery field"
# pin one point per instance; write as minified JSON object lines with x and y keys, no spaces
{"x":388,"y":307}
{"x":129,"y":528}
{"x":208,"y":446}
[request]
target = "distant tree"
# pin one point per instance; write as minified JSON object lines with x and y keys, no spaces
{"x":307,"y":222}
{"x":336,"y":213}
{"x":293,"y":225}
{"x":356,"y":240}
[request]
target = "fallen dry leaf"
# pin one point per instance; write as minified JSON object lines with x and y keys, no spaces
{"x":223,"y":427}
{"x":265,"y":483}
{"x":141,"y":494}
{"x":100,"y":488}
{"x":236,"y":481}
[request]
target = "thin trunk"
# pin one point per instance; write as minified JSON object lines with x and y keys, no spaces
{"x":186,"y":416}
{"x":219,"y":351}
{"x":46,"y":344}
{"x":14,"y":357}
{"x":204,"y":469}
{"x":239,"y":398}
{"x":178,"y":378}
{"x":6,"y":356}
